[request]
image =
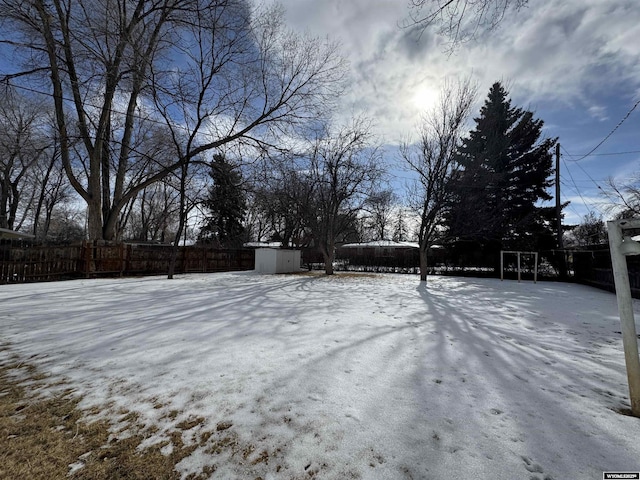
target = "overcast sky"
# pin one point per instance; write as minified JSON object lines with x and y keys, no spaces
{"x":576,"y":63}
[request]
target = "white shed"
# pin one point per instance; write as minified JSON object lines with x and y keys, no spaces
{"x":272,"y":260}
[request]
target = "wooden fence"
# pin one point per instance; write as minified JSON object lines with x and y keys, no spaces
{"x":593,"y":267}
{"x":23,"y":262}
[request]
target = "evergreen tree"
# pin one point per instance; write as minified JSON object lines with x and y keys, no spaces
{"x":226,"y":203}
{"x":505,"y":171}
{"x":401,"y":230}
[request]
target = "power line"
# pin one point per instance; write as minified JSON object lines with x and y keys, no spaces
{"x":602,"y":154}
{"x":576,"y":189}
{"x":610,"y":133}
{"x":590,"y":177}
{"x":590,"y":205}
{"x":571,"y":205}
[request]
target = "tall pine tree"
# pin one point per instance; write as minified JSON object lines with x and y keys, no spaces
{"x":226,"y":203}
{"x":505,"y":171}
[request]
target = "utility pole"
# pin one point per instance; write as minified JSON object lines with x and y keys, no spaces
{"x":558,"y":206}
{"x":563,"y":260}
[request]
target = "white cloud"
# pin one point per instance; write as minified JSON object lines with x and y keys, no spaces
{"x":599,"y":112}
{"x":576,"y":62}
{"x":565,"y":52}
{"x":582,"y":205}
{"x":627,"y":172}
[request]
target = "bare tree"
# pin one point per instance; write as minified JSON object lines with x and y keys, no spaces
{"x":189,"y":197}
{"x":65,"y":224}
{"x":23,"y":147}
{"x":344,"y":168}
{"x":282,"y":192}
{"x":204,"y":73}
{"x":256,"y":222}
{"x":53,"y":192}
{"x":153,"y":215}
{"x":380,"y":208}
{"x":433,"y":160}
{"x":624,"y":197}
{"x":591,"y":231}
{"x":460,"y":20}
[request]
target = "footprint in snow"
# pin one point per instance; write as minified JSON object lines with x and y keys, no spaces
{"x":378,"y":458}
{"x":530,"y":466}
{"x":352,"y":416}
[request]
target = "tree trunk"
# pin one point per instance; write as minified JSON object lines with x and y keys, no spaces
{"x":4,"y":203}
{"x":41,"y":197}
{"x":174,"y":256}
{"x":423,"y":264}
{"x":110,"y":230}
{"x":181,"y":222}
{"x":328,"y":255}
{"x":13,"y":205}
{"x":328,"y":262}
{"x":94,"y":218}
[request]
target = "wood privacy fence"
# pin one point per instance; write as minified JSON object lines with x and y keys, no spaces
{"x":593,"y":267}
{"x":23,"y":262}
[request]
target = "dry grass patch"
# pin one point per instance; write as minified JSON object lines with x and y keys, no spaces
{"x":48,"y":437}
{"x":355,"y":275}
{"x":336,"y":274}
{"x":41,"y":436}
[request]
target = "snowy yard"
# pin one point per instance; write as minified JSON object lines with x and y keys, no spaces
{"x":354,"y":376}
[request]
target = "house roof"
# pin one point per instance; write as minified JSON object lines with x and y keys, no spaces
{"x":262,"y":245}
{"x":382,"y":244}
{"x":6,"y":233}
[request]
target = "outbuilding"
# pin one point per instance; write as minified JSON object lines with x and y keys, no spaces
{"x":277,"y":260}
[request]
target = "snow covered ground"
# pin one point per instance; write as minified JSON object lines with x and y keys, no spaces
{"x":371,"y":377}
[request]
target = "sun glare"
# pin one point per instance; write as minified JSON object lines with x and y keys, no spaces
{"x":424,"y":98}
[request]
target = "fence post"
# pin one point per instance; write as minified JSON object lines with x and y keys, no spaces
{"x":619,"y":249}
{"x":127,"y":265}
{"x":87,"y":254}
{"x":121,"y":257}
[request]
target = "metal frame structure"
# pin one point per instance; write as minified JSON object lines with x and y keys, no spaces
{"x":518,"y":253}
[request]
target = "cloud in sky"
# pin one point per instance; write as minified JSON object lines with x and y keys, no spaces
{"x":576,"y":63}
{"x":568,"y":52}
{"x":599,"y":112}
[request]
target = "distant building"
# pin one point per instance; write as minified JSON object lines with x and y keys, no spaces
{"x":380,"y":253}
{"x":262,"y":245}
{"x":378,"y":248}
